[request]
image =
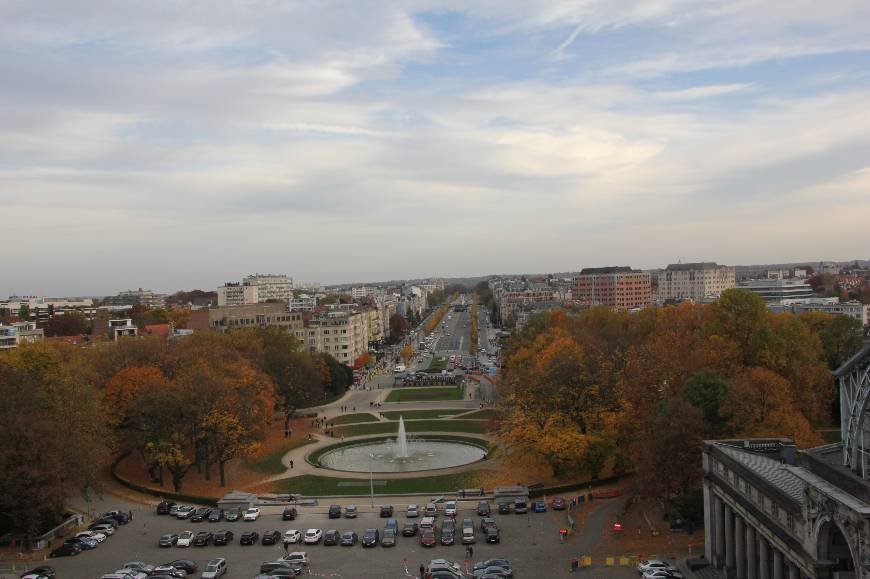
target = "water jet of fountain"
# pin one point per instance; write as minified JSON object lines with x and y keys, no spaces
{"x":402,"y":441}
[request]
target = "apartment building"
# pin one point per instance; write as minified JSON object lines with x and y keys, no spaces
{"x":699,"y":282}
{"x":512,"y":301}
{"x":226,"y":318}
{"x":853,"y":309}
{"x":42,"y":308}
{"x":342,"y":334}
{"x":139,"y":297}
{"x":19,"y":333}
{"x":303,"y":303}
{"x":271,"y":286}
{"x":106,"y":327}
{"x":237,"y":294}
{"x":618,"y":288}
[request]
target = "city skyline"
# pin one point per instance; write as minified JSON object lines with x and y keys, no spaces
{"x":179,"y":147}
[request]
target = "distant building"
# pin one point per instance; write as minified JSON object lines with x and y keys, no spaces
{"x":342,"y":334}
{"x":237,"y":294}
{"x":19,"y":333}
{"x":512,"y":301}
{"x":42,"y":309}
{"x":853,"y":309}
{"x":227,"y":318}
{"x":303,"y":303}
{"x":618,"y":288}
{"x":777,"y":290}
{"x":271,"y":287}
{"x":112,"y":329}
{"x":699,"y":282}
{"x":361,"y":292}
{"x":140,"y":297}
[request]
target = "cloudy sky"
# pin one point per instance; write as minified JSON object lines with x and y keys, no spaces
{"x":181,"y":144}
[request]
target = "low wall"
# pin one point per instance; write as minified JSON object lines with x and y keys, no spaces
{"x":159,"y":493}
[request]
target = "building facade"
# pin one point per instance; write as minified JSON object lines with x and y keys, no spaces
{"x":342,"y":334}
{"x":271,"y":286}
{"x":777,"y":290}
{"x":699,"y":282}
{"x":853,"y":309}
{"x":227,"y":318}
{"x":139,"y":297}
{"x":772,"y":511}
{"x":19,"y":333}
{"x":618,"y":288}
{"x":237,"y":294}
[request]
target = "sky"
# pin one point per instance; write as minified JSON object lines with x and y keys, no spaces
{"x":181,"y":144}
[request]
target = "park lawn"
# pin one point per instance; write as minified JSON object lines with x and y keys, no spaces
{"x":425,"y":394}
{"x":270,"y":463}
{"x":481,"y":415}
{"x":445,"y":425}
{"x":353,"y":418}
{"x":418,"y":414}
{"x":437,"y":363}
{"x":313,"y":485}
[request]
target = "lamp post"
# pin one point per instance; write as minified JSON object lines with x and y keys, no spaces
{"x":371,"y":479}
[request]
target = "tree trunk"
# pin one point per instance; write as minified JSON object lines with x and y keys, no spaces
{"x":223,"y":473}
{"x":160,"y":474}
{"x":176,"y":481}
{"x":207,"y":468}
{"x":287,"y":421}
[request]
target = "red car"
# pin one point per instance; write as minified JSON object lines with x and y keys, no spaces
{"x":559,"y":504}
{"x":427,"y":539}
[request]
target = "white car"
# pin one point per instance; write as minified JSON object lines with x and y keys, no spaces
{"x":292,"y":536}
{"x":98,"y":537}
{"x":413,"y":511}
{"x":298,"y":557}
{"x":663,"y":574}
{"x":185,"y":538}
{"x":251,"y":514}
{"x":313,"y":536}
{"x":450,"y":508}
{"x":104,"y":528}
{"x":652,"y":565}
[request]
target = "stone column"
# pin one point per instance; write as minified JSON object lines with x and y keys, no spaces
{"x":763,"y":558}
{"x":729,"y":541}
{"x":739,"y":547}
{"x":793,"y":572}
{"x":719,"y":537}
{"x":777,"y":564}
{"x":751,"y":558}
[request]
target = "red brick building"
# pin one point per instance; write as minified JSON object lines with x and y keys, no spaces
{"x":618,"y":288}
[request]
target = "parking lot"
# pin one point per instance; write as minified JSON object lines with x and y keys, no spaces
{"x":531,"y":542}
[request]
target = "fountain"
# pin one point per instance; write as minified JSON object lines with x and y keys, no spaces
{"x":401,"y":441}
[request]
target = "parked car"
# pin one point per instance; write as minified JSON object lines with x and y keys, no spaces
{"x":490,"y":573}
{"x":299,"y":558}
{"x":215,"y":568}
{"x":251,"y":514}
{"x":105,"y":529}
{"x":410,"y":529}
{"x":85,"y":544}
{"x":233,"y":514}
{"x":348,"y":538}
{"x":223,"y":537}
{"x":289,"y":514}
{"x":392,"y":524}
{"x":98,"y":537}
{"x":184,"y":512}
{"x":167,"y":540}
{"x":559,"y":504}
{"x":483,"y":509}
{"x":249,"y":538}
{"x":140,"y":566}
{"x":331,"y":537}
{"x":389,"y":538}
{"x":215,"y":515}
{"x":271,"y":537}
{"x":521,"y":507}
{"x":486,"y":523}
{"x":350,"y":512}
{"x":270,"y":567}
{"x":66,"y":550}
{"x":492,"y":535}
{"x":450,"y":509}
{"x":120,"y":517}
{"x":413,"y":511}
{"x":189,"y":566}
{"x":663,"y":574}
{"x":427,"y":538}
{"x":427,"y":523}
{"x":334,"y":511}
{"x":489,"y":563}
{"x":448,"y":535}
{"x":504,"y":508}
{"x":185,"y":538}
{"x":200,"y":514}
{"x":164,"y":507}
{"x":651,"y":565}
{"x":431,"y":510}
{"x":386,"y":511}
{"x":292,"y":536}
{"x":168,"y":570}
{"x":203,"y":538}
{"x":312,"y":536}
{"x":371,"y":538}
{"x":42,"y":571}
{"x":539,"y":506}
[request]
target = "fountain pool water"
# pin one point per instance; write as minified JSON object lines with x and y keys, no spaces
{"x":401,"y":455}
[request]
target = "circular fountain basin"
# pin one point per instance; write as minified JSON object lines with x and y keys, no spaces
{"x":381,"y":456}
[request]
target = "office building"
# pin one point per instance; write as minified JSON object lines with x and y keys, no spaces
{"x":618,"y":288}
{"x":270,"y":287}
{"x":19,"y":333}
{"x":140,"y":297}
{"x":778,"y":290}
{"x":699,"y":282}
{"x":237,"y":294}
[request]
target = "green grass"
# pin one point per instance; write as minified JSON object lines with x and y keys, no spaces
{"x":452,"y":425}
{"x":353,"y":418}
{"x":437,"y":364}
{"x":417,"y":414}
{"x":270,"y":463}
{"x":313,"y":485}
{"x":314,"y":457}
{"x":425,"y":394}
{"x":481,"y":414}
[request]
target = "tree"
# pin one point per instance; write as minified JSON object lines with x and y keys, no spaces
{"x":840,"y":335}
{"x":68,"y":324}
{"x":398,"y":326}
{"x":706,"y":391}
{"x":364,"y":359}
{"x":170,"y":454}
{"x":406,"y":353}
{"x":24,"y":312}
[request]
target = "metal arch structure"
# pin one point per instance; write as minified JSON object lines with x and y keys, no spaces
{"x":853,"y":378}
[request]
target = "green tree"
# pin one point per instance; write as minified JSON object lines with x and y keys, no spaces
{"x":840,"y":335}
{"x":24,"y":312}
{"x":706,"y":390}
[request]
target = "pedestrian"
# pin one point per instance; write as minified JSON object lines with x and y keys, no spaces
{"x":130,"y":514}
{"x":291,"y":464}
{"x":422,"y":570}
{"x":470,"y":552}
